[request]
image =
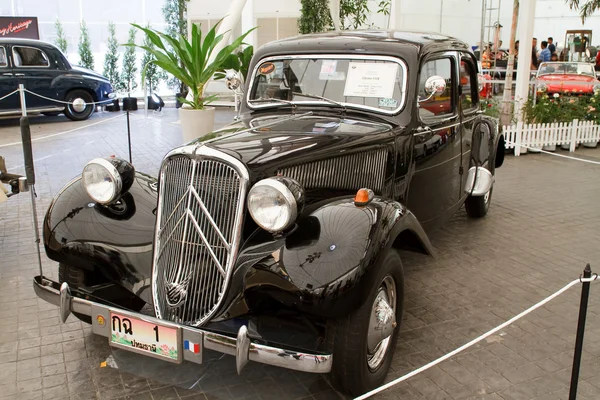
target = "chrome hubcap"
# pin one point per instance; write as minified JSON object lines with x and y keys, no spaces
{"x":381,"y":323}
{"x":79,"y":105}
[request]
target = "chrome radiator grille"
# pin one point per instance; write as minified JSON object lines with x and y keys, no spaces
{"x":198,"y":217}
{"x":352,"y":171}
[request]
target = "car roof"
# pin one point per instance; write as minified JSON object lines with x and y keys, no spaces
{"x":364,"y":42}
{"x":26,"y":42}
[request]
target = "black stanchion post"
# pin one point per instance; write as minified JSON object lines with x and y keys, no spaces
{"x":129,"y":135}
{"x":29,"y":170}
{"x":585,"y":294}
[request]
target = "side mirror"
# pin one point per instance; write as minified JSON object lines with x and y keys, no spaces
{"x":234,"y":82}
{"x":434,"y":85}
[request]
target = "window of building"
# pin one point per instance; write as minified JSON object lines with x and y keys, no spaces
{"x":29,"y":57}
{"x":270,"y":29}
{"x":440,"y":104}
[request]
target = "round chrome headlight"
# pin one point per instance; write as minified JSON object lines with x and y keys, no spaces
{"x":272,"y":205}
{"x":542,"y":87}
{"x":102,"y":180}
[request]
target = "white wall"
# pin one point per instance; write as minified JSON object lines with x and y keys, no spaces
{"x":459,"y":18}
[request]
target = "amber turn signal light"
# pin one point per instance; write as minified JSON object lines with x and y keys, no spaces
{"x":363,"y":197}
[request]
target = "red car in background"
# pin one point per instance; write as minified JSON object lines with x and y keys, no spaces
{"x":566,"y":78}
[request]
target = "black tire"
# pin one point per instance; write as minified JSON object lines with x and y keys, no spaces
{"x":79,"y":115}
{"x":52,"y":113}
{"x":478,"y":206}
{"x":75,"y":277}
{"x":347,"y":337}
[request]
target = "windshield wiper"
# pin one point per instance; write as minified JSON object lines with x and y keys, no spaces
{"x":289,"y":103}
{"x":314,"y":96}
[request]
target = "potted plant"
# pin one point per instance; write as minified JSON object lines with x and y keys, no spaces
{"x":192,"y":62}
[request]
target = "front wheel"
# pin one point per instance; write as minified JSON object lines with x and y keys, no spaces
{"x":478,"y":206}
{"x":363,"y":342}
{"x":80,"y":105}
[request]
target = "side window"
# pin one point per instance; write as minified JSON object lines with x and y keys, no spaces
{"x":29,"y":57}
{"x":469,"y":95}
{"x":441,"y":104}
{"x":3,"y":59}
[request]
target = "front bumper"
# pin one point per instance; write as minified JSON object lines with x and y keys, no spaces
{"x":242,"y":347}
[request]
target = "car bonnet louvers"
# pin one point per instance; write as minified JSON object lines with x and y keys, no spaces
{"x":348,"y":172}
{"x":198,"y":229}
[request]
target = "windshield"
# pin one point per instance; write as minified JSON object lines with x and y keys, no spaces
{"x":375,"y":83}
{"x":566,"y":68}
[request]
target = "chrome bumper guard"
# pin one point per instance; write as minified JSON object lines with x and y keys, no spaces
{"x":242,"y":347}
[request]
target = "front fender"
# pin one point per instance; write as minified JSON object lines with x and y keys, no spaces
{"x":111,"y":242}
{"x":325,"y":267}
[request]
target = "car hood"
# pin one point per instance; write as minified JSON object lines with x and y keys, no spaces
{"x":85,"y":71}
{"x":268,"y":144}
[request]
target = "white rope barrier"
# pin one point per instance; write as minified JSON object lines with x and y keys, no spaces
{"x":10,"y":94}
{"x":104,"y":102}
{"x":555,"y":154}
{"x":476,"y":340}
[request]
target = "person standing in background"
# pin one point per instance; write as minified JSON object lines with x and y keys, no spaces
{"x":551,"y":46}
{"x":545,"y":54}
{"x":534,"y":58}
{"x":597,"y":66}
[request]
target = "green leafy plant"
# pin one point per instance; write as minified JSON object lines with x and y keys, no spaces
{"x":315,"y":16}
{"x":384,"y":7}
{"x":191,"y":61}
{"x":127,"y":81}
{"x":86,"y":58}
{"x":154,"y":75}
{"x":353,"y":13}
{"x":61,"y":39}
{"x":562,"y":108}
{"x":586,"y":9}
{"x":239,"y":61}
{"x":174,"y":12}
{"x":111,"y":69}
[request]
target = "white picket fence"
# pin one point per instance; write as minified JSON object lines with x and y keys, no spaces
{"x":546,"y":136}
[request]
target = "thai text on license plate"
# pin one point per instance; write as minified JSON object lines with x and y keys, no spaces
{"x":144,"y":337}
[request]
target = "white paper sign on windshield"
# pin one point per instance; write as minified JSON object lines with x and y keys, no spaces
{"x":371,"y":79}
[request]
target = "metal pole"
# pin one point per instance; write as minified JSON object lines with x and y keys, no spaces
{"x":441,"y":13}
{"x":585,"y":294}
{"x":482,"y":29}
{"x":129,"y":135}
{"x":29,"y":171}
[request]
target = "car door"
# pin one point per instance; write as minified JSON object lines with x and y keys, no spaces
{"x":435,"y":187}
{"x":33,"y":69}
{"x":8,"y":82}
{"x":468,"y":90}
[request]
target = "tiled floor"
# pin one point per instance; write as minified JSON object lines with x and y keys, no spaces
{"x":541,"y":230}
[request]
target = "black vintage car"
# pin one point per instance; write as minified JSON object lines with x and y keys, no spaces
{"x":44,"y":70}
{"x":276,"y":239}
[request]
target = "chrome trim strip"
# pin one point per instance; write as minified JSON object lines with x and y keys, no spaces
{"x":17,"y":112}
{"x":396,"y":60}
{"x":49,"y":291}
{"x":195,"y":152}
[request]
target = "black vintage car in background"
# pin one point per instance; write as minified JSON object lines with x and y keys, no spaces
{"x":42,"y":68}
{"x":277,"y":239}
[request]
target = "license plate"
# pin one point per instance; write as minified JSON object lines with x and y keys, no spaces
{"x":148,"y":338}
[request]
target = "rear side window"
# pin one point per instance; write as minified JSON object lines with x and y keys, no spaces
{"x":29,"y":57}
{"x":3,"y":59}
{"x":439,"y":105}
{"x":468,"y":84}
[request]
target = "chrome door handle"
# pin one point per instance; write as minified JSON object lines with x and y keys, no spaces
{"x":19,"y":74}
{"x":7,"y":74}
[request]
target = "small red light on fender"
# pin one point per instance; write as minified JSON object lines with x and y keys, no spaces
{"x":363,"y":197}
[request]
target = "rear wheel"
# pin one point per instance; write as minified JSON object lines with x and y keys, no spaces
{"x":363,"y":342}
{"x":478,"y":206}
{"x":80,"y":105}
{"x":76,"y":277}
